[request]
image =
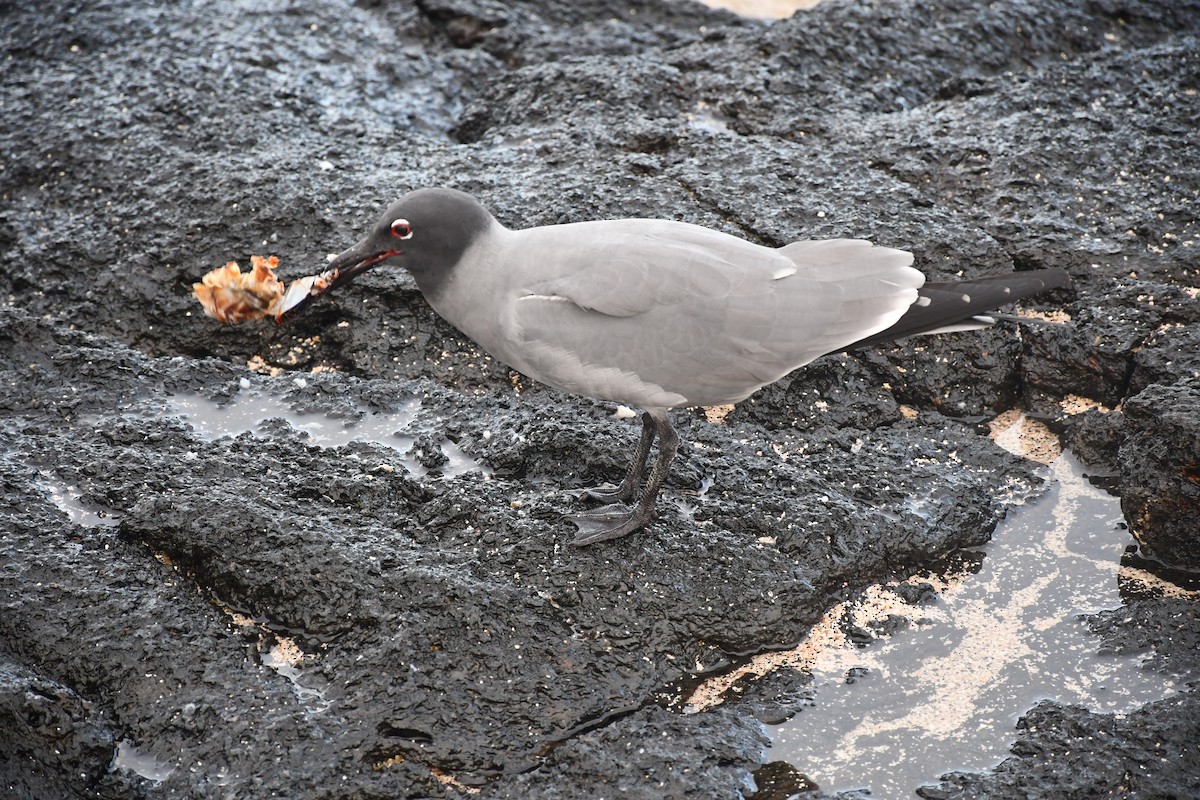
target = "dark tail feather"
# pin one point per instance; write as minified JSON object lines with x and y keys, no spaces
{"x":945,"y":305}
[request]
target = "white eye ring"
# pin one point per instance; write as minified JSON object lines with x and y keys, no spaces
{"x":401,"y":229}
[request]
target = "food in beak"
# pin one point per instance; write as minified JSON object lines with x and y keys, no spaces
{"x":301,"y":289}
{"x":231,"y":296}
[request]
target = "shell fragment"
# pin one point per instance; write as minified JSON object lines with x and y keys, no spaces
{"x":231,"y":296}
{"x":301,"y":289}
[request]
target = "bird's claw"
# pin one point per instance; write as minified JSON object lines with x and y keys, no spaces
{"x":608,"y":522}
{"x":604,"y":493}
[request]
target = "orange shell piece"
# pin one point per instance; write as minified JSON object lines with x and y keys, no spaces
{"x":231,"y":296}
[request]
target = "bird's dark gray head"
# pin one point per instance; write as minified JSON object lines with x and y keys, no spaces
{"x":426,"y":232}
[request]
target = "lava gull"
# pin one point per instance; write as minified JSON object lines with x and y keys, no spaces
{"x":657,"y":314}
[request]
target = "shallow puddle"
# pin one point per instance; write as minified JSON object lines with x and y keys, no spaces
{"x":945,"y":691}
{"x":68,"y":499}
{"x":140,"y":762}
{"x":286,"y":658}
{"x":249,"y":409}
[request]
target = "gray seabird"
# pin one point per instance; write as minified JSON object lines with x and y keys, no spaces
{"x":657,"y":314}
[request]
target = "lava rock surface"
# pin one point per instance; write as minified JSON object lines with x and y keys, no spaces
{"x":257,"y":614}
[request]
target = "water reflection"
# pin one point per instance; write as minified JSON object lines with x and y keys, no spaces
{"x":945,"y":693}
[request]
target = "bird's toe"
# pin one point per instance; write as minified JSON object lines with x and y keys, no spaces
{"x":607,"y":522}
{"x":604,"y":493}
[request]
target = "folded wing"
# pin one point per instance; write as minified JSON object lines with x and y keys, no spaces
{"x":694,"y":316}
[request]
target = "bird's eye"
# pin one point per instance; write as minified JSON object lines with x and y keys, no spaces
{"x":401,"y":229}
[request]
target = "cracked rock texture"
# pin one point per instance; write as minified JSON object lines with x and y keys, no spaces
{"x":451,"y":638}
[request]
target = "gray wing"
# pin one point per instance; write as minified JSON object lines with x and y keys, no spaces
{"x":663,"y":314}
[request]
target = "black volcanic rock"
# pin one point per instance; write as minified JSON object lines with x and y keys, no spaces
{"x":156,"y":580}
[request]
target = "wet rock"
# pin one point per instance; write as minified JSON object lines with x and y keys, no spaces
{"x":1093,"y":359}
{"x":1095,"y":436}
{"x":836,"y":391}
{"x":1170,"y":355}
{"x":55,"y":743}
{"x":855,"y":674}
{"x":432,"y":612}
{"x":773,"y":698}
{"x":447,"y":633}
{"x":651,"y":752}
{"x":428,"y":453}
{"x":1166,"y":357}
{"x":1168,"y":628}
{"x":889,"y":625}
{"x":1160,"y":471}
{"x":779,"y":780}
{"x":1146,"y":765}
{"x":916,"y":594}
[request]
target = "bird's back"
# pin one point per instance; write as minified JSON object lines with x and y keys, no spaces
{"x":661,"y":314}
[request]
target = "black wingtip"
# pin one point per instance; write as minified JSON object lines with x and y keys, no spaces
{"x":947,"y":303}
{"x":1052,"y":278}
{"x":1018,"y":284}
{"x":1055,"y":278}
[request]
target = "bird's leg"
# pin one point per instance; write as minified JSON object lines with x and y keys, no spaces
{"x":617,"y":520}
{"x":628,"y":487}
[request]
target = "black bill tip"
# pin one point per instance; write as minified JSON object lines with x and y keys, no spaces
{"x":343,"y":269}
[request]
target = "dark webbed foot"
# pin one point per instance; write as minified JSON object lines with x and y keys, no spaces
{"x":609,"y":522}
{"x":627,"y":489}
{"x":606,"y":493}
{"x":616,"y":519}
